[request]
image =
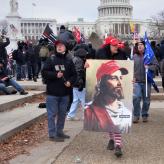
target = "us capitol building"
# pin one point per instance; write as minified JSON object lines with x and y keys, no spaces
{"x":114,"y":17}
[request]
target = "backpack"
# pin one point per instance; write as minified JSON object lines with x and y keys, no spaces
{"x":44,"y":52}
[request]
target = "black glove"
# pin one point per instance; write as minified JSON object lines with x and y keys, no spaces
{"x":80,"y":88}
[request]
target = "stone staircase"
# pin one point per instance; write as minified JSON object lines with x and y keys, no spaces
{"x":154,"y":94}
{"x":18,"y":112}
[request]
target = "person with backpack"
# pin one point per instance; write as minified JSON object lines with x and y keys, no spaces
{"x":44,"y":52}
{"x":79,"y":90}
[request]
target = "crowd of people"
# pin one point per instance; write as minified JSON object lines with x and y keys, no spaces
{"x":63,"y":65}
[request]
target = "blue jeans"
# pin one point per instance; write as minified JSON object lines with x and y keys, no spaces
{"x":19,"y":71}
{"x":12,"y":83}
{"x":31,"y":70}
{"x":78,"y":97}
{"x":56,"y":110}
{"x":23,"y":71}
{"x":138,"y":94}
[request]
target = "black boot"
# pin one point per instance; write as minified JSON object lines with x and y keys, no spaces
{"x":62,"y":135}
{"x":110,"y":145}
{"x":23,"y":92}
{"x":118,"y":151}
{"x":56,"y":139}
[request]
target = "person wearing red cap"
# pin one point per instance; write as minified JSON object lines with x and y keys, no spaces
{"x":106,"y":112}
{"x":60,"y":74}
{"x":110,"y":50}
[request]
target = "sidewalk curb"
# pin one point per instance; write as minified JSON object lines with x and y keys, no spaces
{"x":21,"y":127}
{"x":12,"y":104}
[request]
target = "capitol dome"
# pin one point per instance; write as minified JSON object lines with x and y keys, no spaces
{"x":114,"y":17}
{"x":115,"y":9}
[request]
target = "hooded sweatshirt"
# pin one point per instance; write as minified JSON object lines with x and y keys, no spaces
{"x":54,"y":64}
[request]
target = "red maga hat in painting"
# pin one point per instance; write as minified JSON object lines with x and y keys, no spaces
{"x":109,"y":68}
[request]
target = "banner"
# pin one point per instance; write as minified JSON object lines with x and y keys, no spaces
{"x":109,"y":92}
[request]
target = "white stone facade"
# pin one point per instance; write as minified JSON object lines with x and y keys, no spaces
{"x":114,"y":17}
{"x":32,"y":29}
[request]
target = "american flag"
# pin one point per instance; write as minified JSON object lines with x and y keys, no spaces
{"x":10,"y":61}
{"x":48,"y":33}
{"x":13,"y":28}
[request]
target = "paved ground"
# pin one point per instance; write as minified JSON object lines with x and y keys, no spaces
{"x":48,"y":151}
{"x":144,"y":145}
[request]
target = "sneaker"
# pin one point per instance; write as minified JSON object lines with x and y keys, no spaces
{"x":118,"y":151}
{"x":135,"y":119}
{"x":64,"y":136}
{"x":145,"y":119}
{"x":56,"y":139}
{"x":110,"y":145}
{"x":72,"y":119}
{"x":23,"y":92}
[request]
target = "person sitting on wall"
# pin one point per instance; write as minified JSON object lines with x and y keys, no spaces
{"x":6,"y":81}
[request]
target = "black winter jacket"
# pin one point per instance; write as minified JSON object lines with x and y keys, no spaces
{"x":55,"y":86}
{"x":79,"y":62}
{"x":3,"y":52}
{"x":19,"y":56}
{"x":104,"y":53}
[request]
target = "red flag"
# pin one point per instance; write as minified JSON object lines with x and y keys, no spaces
{"x":77,"y":34}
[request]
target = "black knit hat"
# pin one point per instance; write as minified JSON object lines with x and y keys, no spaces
{"x":141,"y":41}
{"x":62,"y":27}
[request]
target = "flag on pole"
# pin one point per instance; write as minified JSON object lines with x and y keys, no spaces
{"x":132,"y":27}
{"x":149,"y":53}
{"x":13,"y":28}
{"x":148,"y":58}
{"x":48,"y":33}
{"x":77,"y":34}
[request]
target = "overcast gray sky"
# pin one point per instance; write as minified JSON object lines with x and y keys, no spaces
{"x":70,"y":10}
